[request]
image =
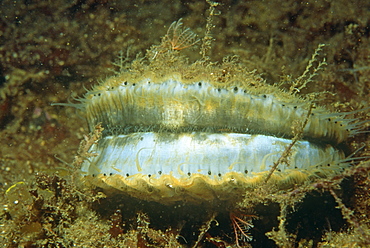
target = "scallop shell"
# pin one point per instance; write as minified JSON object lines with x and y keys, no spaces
{"x":202,"y":131}
{"x":178,"y":133}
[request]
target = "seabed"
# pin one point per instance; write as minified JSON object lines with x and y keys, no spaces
{"x":52,"y":51}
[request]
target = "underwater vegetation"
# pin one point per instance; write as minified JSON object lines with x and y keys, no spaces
{"x":45,"y":203}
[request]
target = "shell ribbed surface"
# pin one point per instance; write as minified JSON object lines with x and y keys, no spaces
{"x":169,"y":141}
{"x":172,"y":105}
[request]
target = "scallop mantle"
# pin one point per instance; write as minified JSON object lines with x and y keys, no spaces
{"x":168,"y":139}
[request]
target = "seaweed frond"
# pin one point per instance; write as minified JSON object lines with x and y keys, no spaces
{"x":122,"y":62}
{"x":207,"y":39}
{"x":310,"y":72}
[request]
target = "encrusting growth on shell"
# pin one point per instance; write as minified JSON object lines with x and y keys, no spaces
{"x":180,"y":37}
